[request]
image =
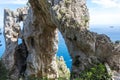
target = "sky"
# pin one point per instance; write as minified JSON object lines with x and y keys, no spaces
{"x":102,"y":12}
{"x":10,"y":4}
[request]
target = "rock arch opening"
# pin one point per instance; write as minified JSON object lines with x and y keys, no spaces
{"x":21,"y":31}
{"x":19,"y":41}
{"x":63,"y":51}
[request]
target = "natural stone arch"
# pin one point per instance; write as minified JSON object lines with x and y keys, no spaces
{"x":36,"y":56}
{"x":72,"y":21}
{"x":71,"y":17}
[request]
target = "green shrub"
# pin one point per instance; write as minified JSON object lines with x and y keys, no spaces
{"x":97,"y":72}
{"x":3,"y":71}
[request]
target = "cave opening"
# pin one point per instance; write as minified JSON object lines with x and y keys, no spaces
{"x":63,"y":51}
{"x":20,"y":36}
{"x":19,"y":41}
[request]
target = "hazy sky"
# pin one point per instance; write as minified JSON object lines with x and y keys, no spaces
{"x":102,"y":12}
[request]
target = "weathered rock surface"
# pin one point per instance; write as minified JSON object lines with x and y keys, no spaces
{"x":20,"y":64}
{"x":41,"y":38}
{"x":40,"y":33}
{"x":11,"y":33}
{"x":71,"y":17}
{"x":37,"y":55}
{"x":72,"y":21}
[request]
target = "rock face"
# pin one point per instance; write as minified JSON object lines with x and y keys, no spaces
{"x":41,"y":38}
{"x":20,"y":64}
{"x":71,"y":17}
{"x":40,"y":35}
{"x":114,"y":61}
{"x":11,"y":32}
{"x":36,"y":56}
{"x":72,"y":21}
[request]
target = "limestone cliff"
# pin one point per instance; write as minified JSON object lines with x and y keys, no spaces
{"x":40,"y":35}
{"x":43,"y":51}
{"x":11,"y":33}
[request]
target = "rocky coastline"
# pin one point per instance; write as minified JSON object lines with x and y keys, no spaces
{"x":36,"y":55}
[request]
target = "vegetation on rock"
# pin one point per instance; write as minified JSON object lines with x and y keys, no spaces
{"x":63,"y":71}
{"x":97,"y":72}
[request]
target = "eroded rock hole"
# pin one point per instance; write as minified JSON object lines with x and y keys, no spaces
{"x":20,"y":36}
{"x":19,"y":41}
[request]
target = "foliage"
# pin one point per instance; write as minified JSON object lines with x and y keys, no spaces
{"x":3,"y":71}
{"x":97,"y":72}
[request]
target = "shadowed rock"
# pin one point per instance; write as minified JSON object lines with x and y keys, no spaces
{"x":20,"y":64}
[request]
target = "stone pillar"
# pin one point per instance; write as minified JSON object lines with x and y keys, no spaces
{"x":11,"y":33}
{"x":41,"y":38}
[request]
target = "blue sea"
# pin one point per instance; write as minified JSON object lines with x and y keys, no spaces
{"x":112,"y":31}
